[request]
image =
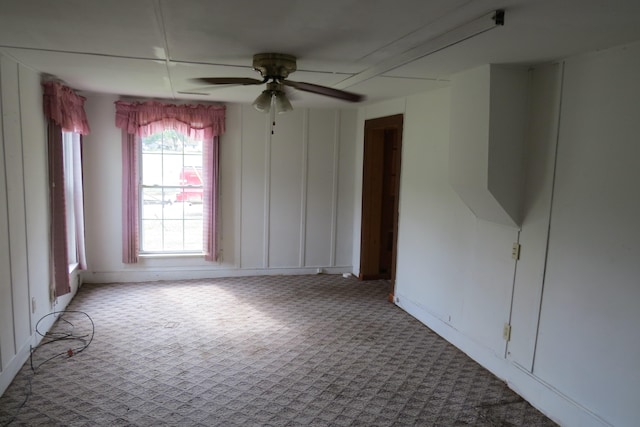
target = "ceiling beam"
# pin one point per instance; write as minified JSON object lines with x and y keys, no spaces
{"x":450,"y":38}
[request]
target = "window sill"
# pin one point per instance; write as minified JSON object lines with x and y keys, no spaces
{"x":167,"y":256}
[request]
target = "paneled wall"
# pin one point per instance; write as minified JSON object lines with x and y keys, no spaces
{"x":587,"y":340}
{"x":572,"y":297}
{"x":286,"y":198}
{"x":291,"y":204}
{"x":16,"y":322}
{"x":292,"y":199}
{"x":24,"y":224}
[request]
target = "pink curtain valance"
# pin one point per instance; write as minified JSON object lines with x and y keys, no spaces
{"x":65,"y":108}
{"x":146,"y":118}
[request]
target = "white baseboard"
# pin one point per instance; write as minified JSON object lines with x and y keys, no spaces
{"x":548,"y":400}
{"x":149,"y":275}
{"x":23,"y":353}
{"x":14,"y":366}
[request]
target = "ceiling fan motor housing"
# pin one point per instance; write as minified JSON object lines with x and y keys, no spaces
{"x":274,"y":65}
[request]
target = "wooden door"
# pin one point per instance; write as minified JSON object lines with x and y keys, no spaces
{"x":380,"y":189}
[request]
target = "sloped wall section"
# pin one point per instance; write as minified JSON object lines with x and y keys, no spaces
{"x":488,"y":120}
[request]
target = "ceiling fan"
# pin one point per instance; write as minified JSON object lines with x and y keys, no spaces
{"x":275,"y":68}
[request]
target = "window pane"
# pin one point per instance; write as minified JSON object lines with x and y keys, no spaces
{"x":172,"y":141}
{"x":191,"y":179}
{"x":174,"y":210}
{"x":193,"y":147}
{"x":152,"y":169}
{"x":67,"y":160}
{"x":193,"y":211}
{"x":152,"y":144}
{"x":190,"y":195}
{"x":193,"y":161}
{"x":193,"y":235}
{"x":152,"y":235}
{"x":173,"y":235}
{"x":171,"y":168}
{"x":171,"y":193}
{"x":155,"y":201}
{"x":151,"y":211}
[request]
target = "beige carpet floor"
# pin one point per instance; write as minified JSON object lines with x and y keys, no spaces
{"x":260,"y":351}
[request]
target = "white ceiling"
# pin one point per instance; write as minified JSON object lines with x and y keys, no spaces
{"x":151,"y":48}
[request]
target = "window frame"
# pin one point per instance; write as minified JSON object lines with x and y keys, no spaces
{"x":68,"y":140}
{"x":142,"y":186}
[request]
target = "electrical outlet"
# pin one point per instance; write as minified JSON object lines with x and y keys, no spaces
{"x":515,"y":251}
{"x":506,"y":332}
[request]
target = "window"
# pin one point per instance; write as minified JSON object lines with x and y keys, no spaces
{"x":167,"y":176}
{"x":171,"y":193}
{"x":66,"y":123}
{"x":68,"y":140}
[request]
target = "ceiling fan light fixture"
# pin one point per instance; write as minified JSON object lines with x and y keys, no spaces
{"x":282,"y":103}
{"x":263,"y":101}
{"x":274,"y":69}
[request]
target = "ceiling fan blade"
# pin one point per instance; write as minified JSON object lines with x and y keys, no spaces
{"x":228,"y":81}
{"x":324,"y":90}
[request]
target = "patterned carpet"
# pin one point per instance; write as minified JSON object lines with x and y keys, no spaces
{"x":261,"y":351}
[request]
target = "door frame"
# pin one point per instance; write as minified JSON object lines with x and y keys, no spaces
{"x":373,"y":169}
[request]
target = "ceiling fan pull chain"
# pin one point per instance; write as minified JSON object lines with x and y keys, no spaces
{"x":272,"y":113}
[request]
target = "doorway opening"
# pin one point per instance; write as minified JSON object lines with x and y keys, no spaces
{"x":380,"y":190}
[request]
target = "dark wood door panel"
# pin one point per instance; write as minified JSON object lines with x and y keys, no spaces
{"x":380,"y":188}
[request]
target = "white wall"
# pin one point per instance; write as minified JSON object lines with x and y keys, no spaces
{"x":588,"y":345}
{"x":286,"y":199}
{"x":462,"y":263}
{"x":488,"y":116}
{"x":455,"y":272}
{"x":572,"y":298}
{"x":24,"y":224}
{"x":540,"y":150}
